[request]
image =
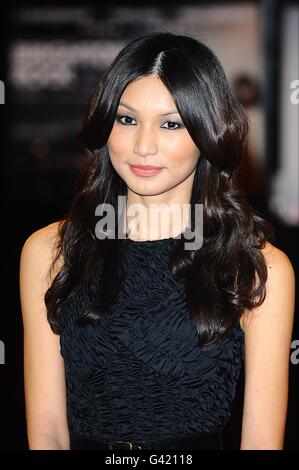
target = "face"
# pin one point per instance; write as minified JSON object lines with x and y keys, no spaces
{"x":148,"y":130}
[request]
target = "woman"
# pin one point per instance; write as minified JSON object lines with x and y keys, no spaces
{"x":137,"y":342}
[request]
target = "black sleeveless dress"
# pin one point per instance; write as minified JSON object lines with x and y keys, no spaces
{"x":137,"y":373}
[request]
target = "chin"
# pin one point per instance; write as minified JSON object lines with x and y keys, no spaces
{"x":142,"y":190}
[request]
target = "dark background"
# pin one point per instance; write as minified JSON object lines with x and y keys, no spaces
{"x":41,"y":159}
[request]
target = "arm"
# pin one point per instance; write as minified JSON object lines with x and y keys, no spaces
{"x":268,"y":334}
{"x":44,"y":374}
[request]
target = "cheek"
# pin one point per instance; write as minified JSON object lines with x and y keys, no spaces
{"x":182,"y":151}
{"x":117,"y":143}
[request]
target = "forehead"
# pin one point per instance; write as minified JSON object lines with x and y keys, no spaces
{"x":148,"y":90}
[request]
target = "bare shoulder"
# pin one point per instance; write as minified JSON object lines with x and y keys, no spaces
{"x":278,"y":263}
{"x":40,"y":248}
{"x":44,"y":238}
{"x":280,"y":284}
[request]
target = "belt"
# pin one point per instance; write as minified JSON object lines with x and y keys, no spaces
{"x":202,"y":441}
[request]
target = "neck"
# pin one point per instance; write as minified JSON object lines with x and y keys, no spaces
{"x":156,"y":221}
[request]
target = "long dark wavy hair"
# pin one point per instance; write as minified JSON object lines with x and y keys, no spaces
{"x":228,"y":274}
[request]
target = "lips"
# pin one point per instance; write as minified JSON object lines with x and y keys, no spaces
{"x":147,"y":167}
{"x":145,"y":170}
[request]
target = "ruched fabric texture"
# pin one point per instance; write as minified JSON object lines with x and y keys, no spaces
{"x":138,"y":373}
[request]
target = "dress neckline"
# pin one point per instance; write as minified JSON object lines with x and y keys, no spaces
{"x":149,"y":242}
{"x":155,"y":241}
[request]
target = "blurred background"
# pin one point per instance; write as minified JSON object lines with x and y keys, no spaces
{"x":52,"y":54}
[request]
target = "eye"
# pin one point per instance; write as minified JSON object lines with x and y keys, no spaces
{"x":179,"y":126}
{"x":119,"y":118}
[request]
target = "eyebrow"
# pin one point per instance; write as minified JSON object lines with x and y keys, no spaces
{"x":132,"y":109}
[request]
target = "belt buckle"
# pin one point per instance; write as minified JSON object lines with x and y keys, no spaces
{"x":111,"y":443}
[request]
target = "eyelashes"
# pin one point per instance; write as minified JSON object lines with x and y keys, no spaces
{"x":119,"y":118}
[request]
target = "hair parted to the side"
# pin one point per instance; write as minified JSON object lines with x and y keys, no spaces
{"x":228,"y":274}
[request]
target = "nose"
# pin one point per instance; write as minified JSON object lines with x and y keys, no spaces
{"x":145,"y":142}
